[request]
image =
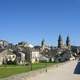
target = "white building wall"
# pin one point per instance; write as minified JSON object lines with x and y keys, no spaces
{"x":35,"y":56}
{"x":1,"y":60}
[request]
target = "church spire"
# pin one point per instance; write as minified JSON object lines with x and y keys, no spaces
{"x":60,"y":41}
{"x":68,"y":41}
{"x":42,"y":43}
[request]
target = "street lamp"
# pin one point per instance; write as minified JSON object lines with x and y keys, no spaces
{"x":31,"y":61}
{"x":46,"y":61}
{"x":46,"y":65}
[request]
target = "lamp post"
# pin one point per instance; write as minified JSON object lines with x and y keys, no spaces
{"x":31,"y":61}
{"x":46,"y":66}
{"x":31,"y":66}
{"x":46,"y":61}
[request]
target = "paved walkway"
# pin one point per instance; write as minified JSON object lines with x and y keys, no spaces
{"x":67,"y":71}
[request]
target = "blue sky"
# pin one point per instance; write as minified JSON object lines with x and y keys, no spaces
{"x":34,"y":20}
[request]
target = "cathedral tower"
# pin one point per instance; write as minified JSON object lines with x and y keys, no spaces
{"x":68,"y":42}
{"x":42,"y":43}
{"x":60,"y":42}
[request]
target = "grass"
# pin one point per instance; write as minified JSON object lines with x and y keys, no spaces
{"x":8,"y":70}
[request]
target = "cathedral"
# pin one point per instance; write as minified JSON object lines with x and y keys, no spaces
{"x":61,"y":44}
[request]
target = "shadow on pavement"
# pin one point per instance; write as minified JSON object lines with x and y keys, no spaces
{"x":77,"y":69}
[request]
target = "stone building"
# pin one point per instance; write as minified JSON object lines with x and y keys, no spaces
{"x":3,"y":44}
{"x":35,"y":54}
{"x":7,"y":56}
{"x":20,"y":58}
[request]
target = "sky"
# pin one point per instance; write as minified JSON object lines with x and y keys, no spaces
{"x":34,"y":20}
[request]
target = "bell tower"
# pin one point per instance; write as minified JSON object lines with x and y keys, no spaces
{"x":60,"y":42}
{"x":42,"y":43}
{"x":68,"y":42}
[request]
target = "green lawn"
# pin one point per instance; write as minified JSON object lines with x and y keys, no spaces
{"x":8,"y":70}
